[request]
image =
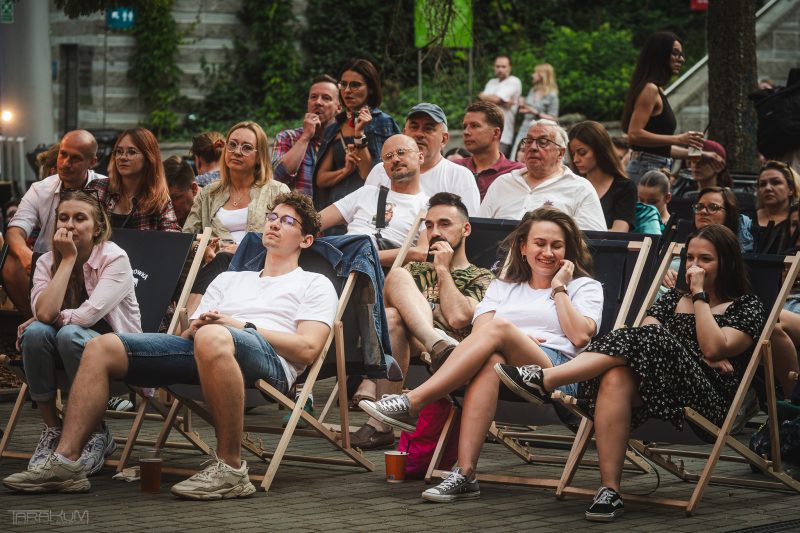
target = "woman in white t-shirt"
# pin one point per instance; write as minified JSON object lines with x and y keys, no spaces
{"x":544,"y":308}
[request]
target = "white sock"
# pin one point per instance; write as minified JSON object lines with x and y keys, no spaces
{"x":65,"y":460}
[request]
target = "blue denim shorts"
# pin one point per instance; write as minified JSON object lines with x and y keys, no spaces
{"x":158,"y":359}
{"x":558,"y":358}
{"x":644,"y":162}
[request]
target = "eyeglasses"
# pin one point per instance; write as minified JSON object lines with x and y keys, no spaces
{"x":286,"y":220}
{"x":711,"y":208}
{"x":541,"y":142}
{"x":352,"y":85}
{"x":130,"y":152}
{"x":677,"y":54}
{"x":400,"y":152}
{"x":245,"y":148}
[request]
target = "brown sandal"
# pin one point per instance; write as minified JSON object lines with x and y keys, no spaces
{"x":439,"y":353}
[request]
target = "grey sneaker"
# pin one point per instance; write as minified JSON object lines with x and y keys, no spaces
{"x":47,"y":445}
{"x":53,"y":475}
{"x":217,"y":482}
{"x":454,"y":487}
{"x":392,"y":409}
{"x":98,"y":447}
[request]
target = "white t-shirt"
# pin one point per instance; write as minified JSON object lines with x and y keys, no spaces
{"x":359,"y":209}
{"x":276,"y":303}
{"x":534,"y":312}
{"x":510,"y":197}
{"x":509,"y":90}
{"x":445,"y":176}
{"x":235,"y":221}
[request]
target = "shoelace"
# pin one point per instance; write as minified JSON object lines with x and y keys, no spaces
{"x":209,"y":473}
{"x":528,"y":372}
{"x":393,"y":403}
{"x":451,"y":481}
{"x":604,"y":496}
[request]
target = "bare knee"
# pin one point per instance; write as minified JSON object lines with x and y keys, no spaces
{"x":394,"y":320}
{"x":107,"y":354}
{"x":211,"y":343}
{"x":619,"y":379}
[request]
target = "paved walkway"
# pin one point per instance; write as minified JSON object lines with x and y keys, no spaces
{"x":344,"y":499}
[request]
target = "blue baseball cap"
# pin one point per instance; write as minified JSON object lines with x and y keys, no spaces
{"x":432,"y":110}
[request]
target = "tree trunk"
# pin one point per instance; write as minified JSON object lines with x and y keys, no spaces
{"x":732,"y":75}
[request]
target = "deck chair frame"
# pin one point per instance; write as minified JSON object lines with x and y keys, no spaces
{"x":509,"y":438}
{"x":662,"y":456}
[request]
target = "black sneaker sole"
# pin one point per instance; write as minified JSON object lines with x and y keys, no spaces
{"x":603,"y":517}
{"x":516,"y":389}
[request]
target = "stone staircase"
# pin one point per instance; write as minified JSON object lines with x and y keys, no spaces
{"x":777,"y":51}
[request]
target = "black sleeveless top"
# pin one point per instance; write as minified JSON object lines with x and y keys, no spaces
{"x":662,"y":124}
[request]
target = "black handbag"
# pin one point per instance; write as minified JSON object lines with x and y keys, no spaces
{"x":380,"y":222}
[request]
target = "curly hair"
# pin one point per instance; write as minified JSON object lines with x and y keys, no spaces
{"x":304,"y":206}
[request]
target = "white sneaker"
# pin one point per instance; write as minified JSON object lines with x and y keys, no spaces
{"x":48,"y":442}
{"x":53,"y":475}
{"x":99,"y":446}
{"x":118,"y":403}
{"x":217,"y":482}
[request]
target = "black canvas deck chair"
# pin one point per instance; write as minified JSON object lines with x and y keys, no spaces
{"x":619,"y":265}
{"x":333,"y":360}
{"x":158,"y":259}
{"x":765,"y":272}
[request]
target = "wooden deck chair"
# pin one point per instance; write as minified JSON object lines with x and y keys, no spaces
{"x":157,"y":259}
{"x":619,"y":288}
{"x":332,"y":361}
{"x":655,"y":431}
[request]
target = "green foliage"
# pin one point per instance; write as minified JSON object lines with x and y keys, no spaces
{"x":593,"y":68}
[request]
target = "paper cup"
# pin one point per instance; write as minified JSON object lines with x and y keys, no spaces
{"x":396,"y":466}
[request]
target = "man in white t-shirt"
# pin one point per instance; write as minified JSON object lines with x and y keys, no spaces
{"x":402,"y":161}
{"x":427,"y":125}
{"x":544,"y":181}
{"x":504,"y":90}
{"x":250,"y":325}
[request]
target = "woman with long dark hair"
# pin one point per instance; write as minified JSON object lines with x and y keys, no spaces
{"x":549,"y":269}
{"x":691,"y":351}
{"x":648,"y":119}
{"x":778,"y":190}
{"x":593,"y":157}
{"x":81,"y":289}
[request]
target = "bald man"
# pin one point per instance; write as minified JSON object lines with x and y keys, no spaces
{"x":402,"y":160}
{"x":77,"y":155}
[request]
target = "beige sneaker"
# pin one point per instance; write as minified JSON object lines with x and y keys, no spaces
{"x":217,"y":482}
{"x":53,"y":475}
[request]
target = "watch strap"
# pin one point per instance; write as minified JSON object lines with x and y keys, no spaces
{"x":702,"y":295}
{"x":562,"y":288}
{"x":249,"y":325}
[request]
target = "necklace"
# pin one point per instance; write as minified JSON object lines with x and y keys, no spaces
{"x":237,"y":199}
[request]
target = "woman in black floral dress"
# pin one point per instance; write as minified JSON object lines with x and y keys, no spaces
{"x":686,"y":353}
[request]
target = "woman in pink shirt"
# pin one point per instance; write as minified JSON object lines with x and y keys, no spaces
{"x":82,"y":288}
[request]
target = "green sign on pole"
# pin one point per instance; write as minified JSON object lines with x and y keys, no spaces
{"x":447,"y":24}
{"x":6,"y":11}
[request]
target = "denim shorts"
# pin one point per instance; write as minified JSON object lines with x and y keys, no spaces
{"x":158,"y":359}
{"x":644,"y":162}
{"x":558,"y":358}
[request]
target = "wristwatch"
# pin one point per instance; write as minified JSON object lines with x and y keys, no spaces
{"x":702,"y":295}
{"x":562,"y":288}
{"x":249,"y":325}
{"x":360,"y":142}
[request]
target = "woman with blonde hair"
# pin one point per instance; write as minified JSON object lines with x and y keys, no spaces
{"x":237,"y":203}
{"x":541,"y":102}
{"x":549,"y":270}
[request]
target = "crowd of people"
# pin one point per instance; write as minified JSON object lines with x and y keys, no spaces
{"x":350,"y":169}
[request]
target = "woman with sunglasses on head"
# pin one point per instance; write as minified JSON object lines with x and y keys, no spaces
{"x":352,"y":145}
{"x":135,"y":195}
{"x":235,"y":204}
{"x":648,"y":119}
{"x":81,"y":289}
{"x":778,"y":189}
{"x":690,"y":351}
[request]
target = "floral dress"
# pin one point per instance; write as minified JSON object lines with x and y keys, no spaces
{"x":668,"y":361}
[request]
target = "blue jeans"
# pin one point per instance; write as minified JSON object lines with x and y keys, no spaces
{"x":43,"y":348}
{"x":558,"y":358}
{"x":158,"y":359}
{"x":642,"y":163}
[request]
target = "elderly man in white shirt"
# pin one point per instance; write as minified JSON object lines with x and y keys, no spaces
{"x":427,"y":125}
{"x":77,"y":154}
{"x":545,"y":181}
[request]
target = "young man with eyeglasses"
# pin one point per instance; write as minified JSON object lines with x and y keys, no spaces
{"x":77,"y":155}
{"x":250,"y":325}
{"x":427,"y":124}
{"x":358,"y":210}
{"x":545,"y":181}
{"x":294,"y":153}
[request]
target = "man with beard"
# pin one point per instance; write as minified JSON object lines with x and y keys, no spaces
{"x":294,"y":154}
{"x":359,"y":209}
{"x":429,"y":304}
{"x":545,"y":181}
{"x":427,"y":125}
{"x":504,"y":90}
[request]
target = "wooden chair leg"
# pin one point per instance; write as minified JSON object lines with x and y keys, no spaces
{"x":444,"y":437}
{"x":582,"y":439}
{"x":13,"y":418}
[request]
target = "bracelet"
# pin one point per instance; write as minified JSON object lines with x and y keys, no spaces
{"x":562,"y":288}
